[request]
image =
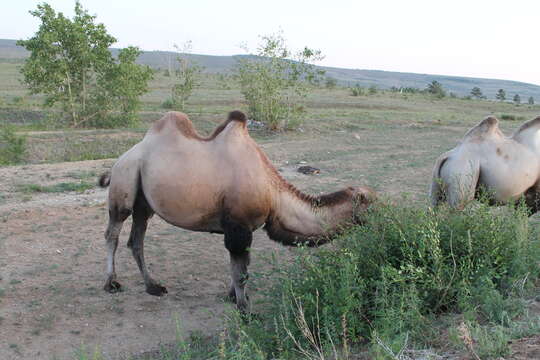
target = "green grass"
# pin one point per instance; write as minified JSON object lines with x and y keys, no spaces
{"x":56,"y":188}
{"x":393,"y":285}
{"x":388,"y":285}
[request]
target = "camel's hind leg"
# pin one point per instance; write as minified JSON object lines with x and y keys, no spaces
{"x":116,"y":220}
{"x":141,"y":213}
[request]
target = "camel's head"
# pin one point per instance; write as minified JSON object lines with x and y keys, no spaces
{"x":362,"y":197}
{"x":359,"y":200}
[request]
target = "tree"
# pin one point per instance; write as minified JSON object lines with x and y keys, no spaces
{"x":531,"y":100}
{"x":357,"y":90}
{"x":435,"y":88}
{"x":476,"y":92}
{"x":501,"y":95}
{"x":517,"y":99}
{"x":70,"y":63}
{"x":187,"y":77}
{"x":275,"y":80}
{"x":122,"y":83}
{"x":330,"y":82}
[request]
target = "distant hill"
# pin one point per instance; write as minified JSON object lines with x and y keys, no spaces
{"x":10,"y":52}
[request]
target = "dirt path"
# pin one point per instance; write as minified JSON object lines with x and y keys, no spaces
{"x":52,"y":269}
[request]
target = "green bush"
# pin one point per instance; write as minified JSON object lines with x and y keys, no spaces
{"x":12,"y":146}
{"x":167,"y":104}
{"x":390,"y":279}
{"x":357,"y":90}
{"x":275,"y":81}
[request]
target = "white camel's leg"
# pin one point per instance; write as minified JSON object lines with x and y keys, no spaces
{"x":437,"y":188}
{"x":141,"y":213}
{"x":116,"y":220}
{"x":238,"y":240}
{"x":460,"y":179}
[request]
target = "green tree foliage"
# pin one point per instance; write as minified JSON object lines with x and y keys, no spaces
{"x":275,"y":81}
{"x":436,"y":89}
{"x":70,"y":63}
{"x":330,"y":82}
{"x":517,"y":99}
{"x":187,"y":78}
{"x":357,"y":90}
{"x":531,"y":100}
{"x":476,"y":92}
{"x":501,"y":95}
{"x":12,"y":146}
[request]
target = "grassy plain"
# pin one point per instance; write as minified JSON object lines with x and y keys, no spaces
{"x":52,"y":218}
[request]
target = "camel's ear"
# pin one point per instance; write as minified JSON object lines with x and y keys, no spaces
{"x":238,"y":116}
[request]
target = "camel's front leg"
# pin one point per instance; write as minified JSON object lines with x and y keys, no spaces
{"x":238,"y":239}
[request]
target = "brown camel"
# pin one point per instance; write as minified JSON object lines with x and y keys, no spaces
{"x":507,"y":167}
{"x":220,"y":184}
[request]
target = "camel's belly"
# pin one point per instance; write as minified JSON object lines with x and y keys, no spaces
{"x":201,"y":207}
{"x":507,"y":184}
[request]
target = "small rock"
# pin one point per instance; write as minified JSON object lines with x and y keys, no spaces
{"x":309,"y":170}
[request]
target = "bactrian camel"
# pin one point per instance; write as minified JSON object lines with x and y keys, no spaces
{"x":220,"y":184}
{"x":507,"y":168}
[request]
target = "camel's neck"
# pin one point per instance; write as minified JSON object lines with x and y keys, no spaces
{"x":298,"y":218}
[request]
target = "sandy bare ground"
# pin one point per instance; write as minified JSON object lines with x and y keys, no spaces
{"x":52,"y":261}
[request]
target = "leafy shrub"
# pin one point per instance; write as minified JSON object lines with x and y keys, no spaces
{"x":330,"y":82}
{"x":390,"y":278}
{"x":357,"y":90}
{"x":187,"y":77}
{"x":436,"y":89}
{"x":168,"y":104}
{"x":275,"y":81}
{"x":12,"y":146}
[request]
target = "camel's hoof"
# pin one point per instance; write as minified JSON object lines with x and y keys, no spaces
{"x":156,"y":290}
{"x":243,"y":306}
{"x":112,"y":286}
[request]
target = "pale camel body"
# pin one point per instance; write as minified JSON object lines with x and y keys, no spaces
{"x":507,"y":167}
{"x":222,"y":184}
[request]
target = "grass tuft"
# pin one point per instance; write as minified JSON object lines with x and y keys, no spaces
{"x":56,"y":188}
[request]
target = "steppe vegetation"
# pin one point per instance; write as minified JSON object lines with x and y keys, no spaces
{"x":412,"y":283}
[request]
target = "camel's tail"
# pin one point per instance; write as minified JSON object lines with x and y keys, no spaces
{"x":104,"y":180}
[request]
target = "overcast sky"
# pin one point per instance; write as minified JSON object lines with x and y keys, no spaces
{"x":479,"y":38}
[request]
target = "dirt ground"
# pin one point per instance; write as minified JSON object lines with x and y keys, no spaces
{"x":52,"y":269}
{"x":52,"y":261}
{"x":52,"y":251}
